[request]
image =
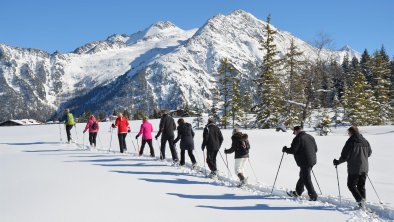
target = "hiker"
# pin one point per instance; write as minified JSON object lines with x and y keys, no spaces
{"x":123,"y":128}
{"x":212,"y":140}
{"x":166,"y":130}
{"x":93,"y":126}
{"x":186,"y":135}
{"x":146,"y":132}
{"x":69,"y":122}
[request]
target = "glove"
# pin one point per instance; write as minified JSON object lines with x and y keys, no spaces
{"x":113,"y":125}
{"x":226,"y":151}
{"x":202,"y":147}
{"x":284,"y":149}
{"x":136,"y":137}
{"x":335,"y":162}
{"x":129,"y":131}
{"x":156,"y":137}
{"x":84,"y":131}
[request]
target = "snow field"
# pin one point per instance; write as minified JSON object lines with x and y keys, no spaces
{"x":49,"y":180}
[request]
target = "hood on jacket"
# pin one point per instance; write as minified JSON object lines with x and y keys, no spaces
{"x":357,"y":138}
{"x":240,"y":136}
{"x":93,"y":118}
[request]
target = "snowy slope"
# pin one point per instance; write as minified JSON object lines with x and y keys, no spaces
{"x":44,"y":180}
{"x":169,"y":65}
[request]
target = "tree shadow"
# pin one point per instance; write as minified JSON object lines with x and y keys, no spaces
{"x":31,"y":143}
{"x":46,"y":151}
{"x":98,"y":160}
{"x":267,"y":207}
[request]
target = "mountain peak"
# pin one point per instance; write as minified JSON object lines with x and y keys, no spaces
{"x":163,"y":25}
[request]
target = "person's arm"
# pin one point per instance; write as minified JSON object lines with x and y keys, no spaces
{"x":192,"y":133}
{"x":345,"y":152}
{"x":178,"y":137}
{"x":220,"y":138}
{"x":204,"y":138}
{"x":295,"y":145}
{"x":160,"y":129}
{"x":232,"y":148}
{"x":369,"y":149}
{"x":87,"y":126}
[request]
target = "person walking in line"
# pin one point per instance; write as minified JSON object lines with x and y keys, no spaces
{"x":69,"y":122}
{"x":186,"y":135}
{"x":166,"y":130}
{"x":93,"y":126}
{"x":212,"y":140}
{"x":123,"y":128}
{"x":240,"y":145}
{"x":146,"y":132}
{"x":304,"y":149}
{"x":356,"y":153}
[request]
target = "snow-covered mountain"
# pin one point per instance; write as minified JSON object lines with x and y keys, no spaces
{"x":162,"y":66}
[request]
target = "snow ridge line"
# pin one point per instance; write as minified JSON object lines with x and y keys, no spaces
{"x":384,"y":212}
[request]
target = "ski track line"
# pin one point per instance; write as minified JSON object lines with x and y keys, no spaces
{"x":379,"y":211}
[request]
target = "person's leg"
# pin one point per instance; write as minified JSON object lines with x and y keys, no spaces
{"x":306,"y":172}
{"x":300,"y":184}
{"x":352,"y":181}
{"x":90,"y":139}
{"x":174,"y":154}
{"x":124,"y":141}
{"x":209,"y":160}
{"x":182,"y":162}
{"x":120,"y":138}
{"x":142,"y":147}
{"x":94,"y":139}
{"x":238,"y":170}
{"x":163,"y":147}
{"x":361,"y":185}
{"x":191,"y":155}
{"x":68,"y":131}
{"x":213,"y":160}
{"x":152,"y":151}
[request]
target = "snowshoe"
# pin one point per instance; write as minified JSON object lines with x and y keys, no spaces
{"x":292,"y":193}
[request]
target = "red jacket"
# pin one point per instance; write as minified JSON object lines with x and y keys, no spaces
{"x":123,"y":124}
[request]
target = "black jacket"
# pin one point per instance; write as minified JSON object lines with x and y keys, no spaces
{"x":356,"y":152}
{"x":304,"y":149}
{"x":166,"y":126}
{"x":212,"y":137}
{"x":186,"y":135}
{"x":240,"y":145}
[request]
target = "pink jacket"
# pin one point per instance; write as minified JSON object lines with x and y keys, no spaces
{"x":89,"y":125}
{"x":146,"y":130}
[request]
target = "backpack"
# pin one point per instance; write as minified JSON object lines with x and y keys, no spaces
{"x":94,"y":125}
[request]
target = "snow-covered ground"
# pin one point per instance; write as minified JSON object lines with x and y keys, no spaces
{"x":43,"y":179}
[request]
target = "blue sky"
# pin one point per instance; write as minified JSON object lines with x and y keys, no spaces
{"x":65,"y":25}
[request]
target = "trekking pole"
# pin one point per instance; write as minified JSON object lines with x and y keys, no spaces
{"x":339,"y":189}
{"x":83,"y":140}
{"x":101,"y":144}
{"x":257,"y":179}
{"x":273,"y":186}
{"x":110,"y":143}
{"x":134,"y":145}
{"x":76,"y":133}
{"x":205,"y":169}
{"x":161,"y":154}
{"x":317,"y":182}
{"x":374,"y":190}
{"x":228,"y":169}
{"x":60,"y":133}
{"x":138,"y":146}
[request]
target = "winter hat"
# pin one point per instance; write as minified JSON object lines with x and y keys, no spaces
{"x":236,"y":130}
{"x":297,"y":128}
{"x":211,"y":120}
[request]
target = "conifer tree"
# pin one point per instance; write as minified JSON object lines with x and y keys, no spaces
{"x":198,"y":120}
{"x":295,"y":97}
{"x":227,"y":73}
{"x":380,"y":69}
{"x":236,"y":103}
{"x":270,"y":91}
{"x":364,"y":64}
{"x":359,"y":101}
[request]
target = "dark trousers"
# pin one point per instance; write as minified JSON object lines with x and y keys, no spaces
{"x":152,"y":152}
{"x":172,"y":148}
{"x":305,"y":180}
{"x":92,"y":138}
{"x":122,"y":141}
{"x":191,"y":155}
{"x":356,"y":185}
{"x":68,"y":131}
{"x":211,"y":159}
